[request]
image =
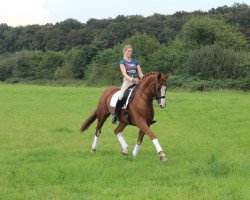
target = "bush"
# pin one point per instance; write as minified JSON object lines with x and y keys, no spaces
{"x":7,"y":64}
{"x":63,"y":72}
{"x":104,"y":70}
{"x":215,"y":62}
{"x":197,"y":84}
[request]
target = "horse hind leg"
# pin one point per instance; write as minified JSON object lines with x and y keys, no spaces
{"x":100,"y":122}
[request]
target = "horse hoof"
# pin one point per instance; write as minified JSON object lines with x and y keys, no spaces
{"x":125,"y":152}
{"x":93,"y":150}
{"x":163,"y":158}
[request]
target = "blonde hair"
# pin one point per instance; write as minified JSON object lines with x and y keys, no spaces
{"x":128,"y":46}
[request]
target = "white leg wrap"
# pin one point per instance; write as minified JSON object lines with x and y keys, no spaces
{"x":136,"y":150}
{"x":94,"y":145}
{"x":157,"y":145}
{"x":122,"y":141}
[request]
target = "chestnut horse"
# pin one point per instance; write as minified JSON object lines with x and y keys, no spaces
{"x":140,"y":111}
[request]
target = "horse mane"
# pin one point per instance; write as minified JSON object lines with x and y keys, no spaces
{"x":148,"y":74}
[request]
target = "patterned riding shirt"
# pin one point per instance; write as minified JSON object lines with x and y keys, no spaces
{"x":131,"y":67}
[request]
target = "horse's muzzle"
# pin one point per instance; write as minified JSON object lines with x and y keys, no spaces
{"x":162,"y":102}
{"x":162,"y":105}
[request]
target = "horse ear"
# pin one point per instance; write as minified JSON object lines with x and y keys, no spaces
{"x":167,"y":74}
{"x":159,"y":76}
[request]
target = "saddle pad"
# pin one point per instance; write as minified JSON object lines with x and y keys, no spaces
{"x":114,"y":98}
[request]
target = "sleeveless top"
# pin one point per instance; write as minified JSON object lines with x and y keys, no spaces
{"x":131,"y":67}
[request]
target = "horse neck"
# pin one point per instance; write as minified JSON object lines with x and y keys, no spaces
{"x":146,"y":86}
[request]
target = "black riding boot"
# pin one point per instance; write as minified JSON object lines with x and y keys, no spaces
{"x":117,"y":110}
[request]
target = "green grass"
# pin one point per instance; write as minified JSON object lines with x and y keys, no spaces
{"x":43,"y":155}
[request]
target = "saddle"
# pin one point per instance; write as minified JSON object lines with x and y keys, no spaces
{"x":127,"y":97}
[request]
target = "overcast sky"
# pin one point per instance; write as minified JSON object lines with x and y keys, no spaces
{"x":24,"y":12}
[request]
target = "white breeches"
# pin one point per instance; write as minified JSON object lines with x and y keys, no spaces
{"x":124,"y":86}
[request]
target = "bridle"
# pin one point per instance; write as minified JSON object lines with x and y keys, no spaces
{"x":156,"y":97}
{"x":154,"y":92}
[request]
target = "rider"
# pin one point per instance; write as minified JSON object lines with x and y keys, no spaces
{"x":131,"y":71}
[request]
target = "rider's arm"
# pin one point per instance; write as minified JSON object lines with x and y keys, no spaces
{"x":124,"y":73}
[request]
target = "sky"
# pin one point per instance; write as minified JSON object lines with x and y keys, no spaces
{"x":27,"y":12}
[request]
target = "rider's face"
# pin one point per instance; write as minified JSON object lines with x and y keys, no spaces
{"x":128,"y":53}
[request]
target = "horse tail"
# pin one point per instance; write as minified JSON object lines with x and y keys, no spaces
{"x":89,"y":121}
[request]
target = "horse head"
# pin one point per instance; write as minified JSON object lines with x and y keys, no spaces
{"x":153,"y":86}
{"x":159,"y":89}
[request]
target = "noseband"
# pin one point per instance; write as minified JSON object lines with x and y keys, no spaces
{"x":155,"y":93}
{"x":160,"y":97}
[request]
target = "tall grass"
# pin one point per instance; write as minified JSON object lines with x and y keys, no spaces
{"x":43,"y":155}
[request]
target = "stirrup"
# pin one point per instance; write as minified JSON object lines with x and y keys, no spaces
{"x":113,"y":119}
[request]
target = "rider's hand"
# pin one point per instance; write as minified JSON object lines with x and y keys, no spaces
{"x":135,"y":81}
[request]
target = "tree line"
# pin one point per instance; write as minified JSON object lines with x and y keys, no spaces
{"x":209,"y":48}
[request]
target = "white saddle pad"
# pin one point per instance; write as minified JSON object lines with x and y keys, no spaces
{"x":114,"y":99}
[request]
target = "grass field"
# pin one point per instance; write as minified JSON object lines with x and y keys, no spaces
{"x":43,"y":155}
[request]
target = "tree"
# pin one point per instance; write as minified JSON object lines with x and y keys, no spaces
{"x":76,"y":38}
{"x":143,"y":46}
{"x":7,"y":64}
{"x":69,"y":24}
{"x":26,"y":37}
{"x":169,"y":58}
{"x":26,"y":63}
{"x":104,"y":69}
{"x":78,"y":58}
{"x":50,"y":62}
{"x":56,"y":40}
{"x":4,"y":30}
{"x":201,"y":31}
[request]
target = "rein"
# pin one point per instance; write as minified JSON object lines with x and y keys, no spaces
{"x":146,"y":98}
{"x":164,"y":110}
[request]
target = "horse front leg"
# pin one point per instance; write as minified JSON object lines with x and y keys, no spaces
{"x":145,"y":128}
{"x":138,"y":144}
{"x":118,"y":132}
